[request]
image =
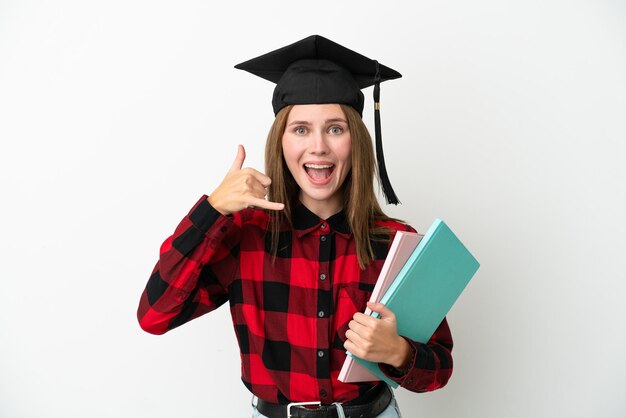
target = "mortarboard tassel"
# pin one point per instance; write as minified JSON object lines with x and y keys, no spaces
{"x":390,"y":195}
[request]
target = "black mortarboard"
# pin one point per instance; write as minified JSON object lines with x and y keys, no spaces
{"x":317,"y":70}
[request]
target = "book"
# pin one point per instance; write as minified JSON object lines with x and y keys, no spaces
{"x":400,"y":250}
{"x":426,"y":287}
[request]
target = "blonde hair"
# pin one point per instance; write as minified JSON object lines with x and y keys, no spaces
{"x":360,"y":204}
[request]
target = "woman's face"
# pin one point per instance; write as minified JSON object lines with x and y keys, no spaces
{"x":317,"y":148}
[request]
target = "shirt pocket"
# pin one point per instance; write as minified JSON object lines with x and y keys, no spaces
{"x":351,"y":298}
{"x":354,"y":296}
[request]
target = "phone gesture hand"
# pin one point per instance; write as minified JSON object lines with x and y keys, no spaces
{"x":242,"y":188}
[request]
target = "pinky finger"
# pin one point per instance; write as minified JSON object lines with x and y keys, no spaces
{"x":351,"y":347}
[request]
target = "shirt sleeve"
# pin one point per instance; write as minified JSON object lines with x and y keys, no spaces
{"x":431,"y":365}
{"x":196,"y":264}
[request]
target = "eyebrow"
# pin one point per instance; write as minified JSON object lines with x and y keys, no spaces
{"x":298,"y":122}
{"x":336,"y":120}
{"x":304,"y":122}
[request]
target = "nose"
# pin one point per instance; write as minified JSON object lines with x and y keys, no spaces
{"x":319,"y":146}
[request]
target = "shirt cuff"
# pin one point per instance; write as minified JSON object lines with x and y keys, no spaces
{"x":400,"y":375}
{"x":203,"y":216}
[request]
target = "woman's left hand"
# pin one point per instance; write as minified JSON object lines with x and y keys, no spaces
{"x":377,"y":339}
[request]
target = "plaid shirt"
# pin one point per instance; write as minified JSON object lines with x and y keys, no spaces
{"x":290,"y":314}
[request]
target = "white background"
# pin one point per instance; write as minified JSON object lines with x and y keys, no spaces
{"x":509,"y":123}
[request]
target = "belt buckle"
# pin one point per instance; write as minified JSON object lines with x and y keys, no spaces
{"x":292,"y":404}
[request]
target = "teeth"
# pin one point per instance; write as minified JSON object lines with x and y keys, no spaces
{"x":318,"y":166}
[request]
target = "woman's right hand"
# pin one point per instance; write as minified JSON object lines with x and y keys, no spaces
{"x":242,"y":188}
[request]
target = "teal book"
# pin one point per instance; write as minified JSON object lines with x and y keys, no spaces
{"x":427,"y":286}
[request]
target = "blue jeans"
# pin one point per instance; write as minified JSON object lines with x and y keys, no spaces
{"x":392,"y":411}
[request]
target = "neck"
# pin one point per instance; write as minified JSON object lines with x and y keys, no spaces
{"x":323,"y":208}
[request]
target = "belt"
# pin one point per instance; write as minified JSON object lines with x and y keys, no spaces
{"x":369,"y":405}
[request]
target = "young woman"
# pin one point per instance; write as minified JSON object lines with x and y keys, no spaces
{"x":296,"y":253}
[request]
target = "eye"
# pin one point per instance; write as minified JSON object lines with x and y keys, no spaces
{"x":300,"y":130}
{"x":336,"y":130}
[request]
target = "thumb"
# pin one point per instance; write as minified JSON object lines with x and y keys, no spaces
{"x":239,"y":159}
{"x":382,"y":310}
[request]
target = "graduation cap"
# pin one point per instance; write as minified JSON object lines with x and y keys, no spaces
{"x":317,"y":70}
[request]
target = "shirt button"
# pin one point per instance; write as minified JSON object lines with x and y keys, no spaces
{"x":322,"y":276}
{"x":323,"y":393}
{"x":320,"y":353}
{"x":323,"y":237}
{"x":320,"y":314}
{"x":323,"y":226}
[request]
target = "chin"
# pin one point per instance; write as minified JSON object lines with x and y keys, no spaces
{"x":325,"y":195}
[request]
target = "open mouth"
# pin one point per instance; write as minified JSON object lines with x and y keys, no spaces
{"x":319,"y":172}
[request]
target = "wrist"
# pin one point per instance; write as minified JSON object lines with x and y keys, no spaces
{"x":403,"y":356}
{"x":215,"y":205}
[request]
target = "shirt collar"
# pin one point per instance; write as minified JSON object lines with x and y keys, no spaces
{"x":305,"y":221}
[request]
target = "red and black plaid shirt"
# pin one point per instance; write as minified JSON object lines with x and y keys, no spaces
{"x":290,"y":315}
